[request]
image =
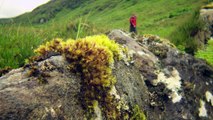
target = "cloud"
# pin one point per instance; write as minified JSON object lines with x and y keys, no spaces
{"x":12,"y":8}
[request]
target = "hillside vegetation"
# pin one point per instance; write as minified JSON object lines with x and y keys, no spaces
{"x":207,"y":53}
{"x":78,"y":18}
{"x":154,"y":16}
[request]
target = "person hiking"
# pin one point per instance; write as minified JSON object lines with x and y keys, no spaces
{"x":132,"y":21}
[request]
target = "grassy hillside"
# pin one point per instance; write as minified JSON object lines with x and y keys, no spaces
{"x":78,"y":18}
{"x":154,"y":16}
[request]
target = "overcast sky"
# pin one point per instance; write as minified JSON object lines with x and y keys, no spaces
{"x":11,"y":8}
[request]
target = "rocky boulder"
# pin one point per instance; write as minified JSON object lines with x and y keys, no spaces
{"x":156,"y":82}
{"x":206,"y":15}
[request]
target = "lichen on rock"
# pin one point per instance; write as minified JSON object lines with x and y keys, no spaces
{"x":202,"y":109}
{"x":172,"y":82}
{"x":209,"y":97}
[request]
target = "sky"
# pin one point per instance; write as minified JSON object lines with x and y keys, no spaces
{"x":12,"y":8}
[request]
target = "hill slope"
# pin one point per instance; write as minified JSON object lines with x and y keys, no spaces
{"x":79,"y":18}
{"x":154,"y":16}
{"x":161,"y":84}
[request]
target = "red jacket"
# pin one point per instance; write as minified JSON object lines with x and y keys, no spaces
{"x":133,"y":20}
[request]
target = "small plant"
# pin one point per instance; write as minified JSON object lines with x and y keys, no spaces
{"x":137,"y":114}
{"x":184,"y":35}
{"x":79,"y":28}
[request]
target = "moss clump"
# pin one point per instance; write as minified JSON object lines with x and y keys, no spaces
{"x":50,"y":47}
{"x":149,"y":39}
{"x":92,"y":58}
{"x":159,"y":50}
{"x":137,"y":114}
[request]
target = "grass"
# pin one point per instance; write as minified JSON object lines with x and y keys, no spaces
{"x":17,"y":41}
{"x":159,"y":17}
{"x":154,"y":16}
{"x":207,"y":53}
{"x":17,"y":44}
{"x":183,"y":36}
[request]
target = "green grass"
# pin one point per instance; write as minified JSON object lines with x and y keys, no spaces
{"x":17,"y":42}
{"x":159,"y":17}
{"x":183,"y":36}
{"x":207,"y":53}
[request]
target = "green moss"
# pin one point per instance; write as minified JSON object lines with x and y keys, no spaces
{"x":137,"y":114}
{"x":159,"y":50}
{"x":92,"y":57}
{"x":156,"y":39}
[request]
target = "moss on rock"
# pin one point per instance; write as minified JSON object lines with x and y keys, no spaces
{"x":137,"y":114}
{"x":92,"y":58}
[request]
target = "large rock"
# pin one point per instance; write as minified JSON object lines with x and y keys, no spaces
{"x":23,"y":97}
{"x":163,"y":82}
{"x":206,"y":14}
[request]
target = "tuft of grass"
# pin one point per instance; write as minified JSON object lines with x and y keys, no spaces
{"x":207,"y":53}
{"x":183,"y":36}
{"x":138,"y":114}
